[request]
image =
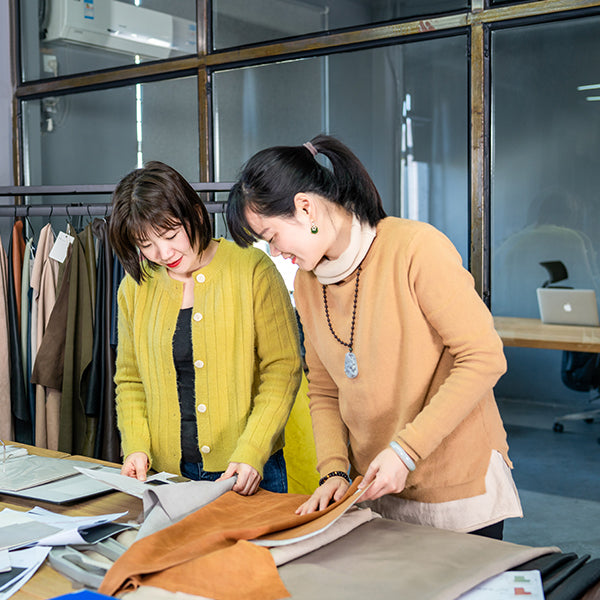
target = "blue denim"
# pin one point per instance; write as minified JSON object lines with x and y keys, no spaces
{"x":274,"y":473}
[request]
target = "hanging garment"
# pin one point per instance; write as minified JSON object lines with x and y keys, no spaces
{"x":17,"y":243}
{"x":19,"y":402}
{"x":49,"y":361}
{"x":87,"y":237}
{"x":50,"y":358}
{"x":66,"y":349}
{"x":6,"y":429}
{"x":24,"y":326}
{"x":101,"y":391}
{"x":89,"y":248}
{"x":44,"y":278}
{"x":26,"y":330}
{"x":76,"y":432}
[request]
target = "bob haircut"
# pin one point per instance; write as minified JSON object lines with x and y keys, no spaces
{"x":154,"y":198}
{"x":270,"y":180}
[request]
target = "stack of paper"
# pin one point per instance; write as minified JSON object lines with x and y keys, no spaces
{"x":30,"y":470}
{"x":45,"y":528}
{"x":51,"y":479}
{"x":23,"y":564}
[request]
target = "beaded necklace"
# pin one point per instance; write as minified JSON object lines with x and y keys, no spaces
{"x":350,"y":363}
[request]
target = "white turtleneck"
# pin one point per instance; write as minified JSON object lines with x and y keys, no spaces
{"x":361,"y":238}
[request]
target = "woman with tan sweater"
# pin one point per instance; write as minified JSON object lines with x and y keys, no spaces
{"x":208,"y":363}
{"x":401,"y":351}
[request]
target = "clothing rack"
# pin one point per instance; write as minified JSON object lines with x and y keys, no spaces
{"x":80,"y":209}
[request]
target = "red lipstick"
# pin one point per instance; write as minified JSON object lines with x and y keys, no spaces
{"x":174,"y":264}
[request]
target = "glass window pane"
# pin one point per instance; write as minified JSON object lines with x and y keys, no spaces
{"x":545,"y":176}
{"x":97,"y":137}
{"x":403,"y":109}
{"x":62,"y":37}
{"x":241,"y":22}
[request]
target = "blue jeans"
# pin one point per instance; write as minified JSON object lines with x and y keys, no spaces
{"x":274,"y":473}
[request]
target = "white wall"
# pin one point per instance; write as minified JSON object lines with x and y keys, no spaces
{"x":6,"y":92}
{"x":6,"y":135}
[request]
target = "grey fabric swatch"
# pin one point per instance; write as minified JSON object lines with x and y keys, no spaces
{"x":167,"y":504}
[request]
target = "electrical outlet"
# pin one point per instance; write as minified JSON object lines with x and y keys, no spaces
{"x":50,"y":64}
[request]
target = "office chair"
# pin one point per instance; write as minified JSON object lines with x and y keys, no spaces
{"x":545,"y":255}
{"x":580,"y":371}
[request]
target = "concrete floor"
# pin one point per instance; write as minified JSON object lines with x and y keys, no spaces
{"x":557,"y":474}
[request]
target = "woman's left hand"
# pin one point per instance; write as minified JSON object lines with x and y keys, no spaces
{"x":387,"y":473}
{"x":248,"y":478}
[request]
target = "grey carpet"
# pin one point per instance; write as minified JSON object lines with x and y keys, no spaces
{"x":564,"y":464}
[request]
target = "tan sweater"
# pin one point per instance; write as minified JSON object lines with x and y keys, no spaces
{"x":428,"y":358}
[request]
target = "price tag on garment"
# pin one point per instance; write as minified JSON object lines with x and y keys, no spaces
{"x":61,"y":246}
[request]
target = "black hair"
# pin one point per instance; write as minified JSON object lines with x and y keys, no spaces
{"x":270,"y":180}
{"x":154,"y":198}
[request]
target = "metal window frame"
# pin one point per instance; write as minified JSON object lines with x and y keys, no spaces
{"x":478,"y":21}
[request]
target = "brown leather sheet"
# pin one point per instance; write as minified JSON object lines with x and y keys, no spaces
{"x":206,"y":553}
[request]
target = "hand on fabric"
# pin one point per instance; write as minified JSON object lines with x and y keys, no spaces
{"x":333,"y":489}
{"x":248,"y":478}
{"x":136,"y":465}
{"x":387,"y":473}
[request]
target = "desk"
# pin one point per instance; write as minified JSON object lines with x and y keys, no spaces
{"x":532,"y":333}
{"x":47,"y":583}
{"x":367,"y":562}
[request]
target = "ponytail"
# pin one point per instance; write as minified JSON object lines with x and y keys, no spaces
{"x":356,"y":191}
{"x":270,"y":180}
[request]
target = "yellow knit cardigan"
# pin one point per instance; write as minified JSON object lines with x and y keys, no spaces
{"x":246,"y":353}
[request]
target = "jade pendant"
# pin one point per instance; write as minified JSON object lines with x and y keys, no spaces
{"x":350,"y":365}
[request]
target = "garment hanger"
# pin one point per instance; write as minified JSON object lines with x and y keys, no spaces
{"x":32,"y":230}
{"x":50,"y":220}
{"x":69,"y":219}
{"x":80,"y":218}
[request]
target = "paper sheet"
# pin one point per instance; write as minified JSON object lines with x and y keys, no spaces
{"x":30,"y":561}
{"x":125,"y":484}
{"x":4,"y":561}
{"x":45,"y":528}
{"x":507,"y":585}
{"x":30,"y":470}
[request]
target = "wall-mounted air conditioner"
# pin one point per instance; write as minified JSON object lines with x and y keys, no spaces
{"x":120,"y":27}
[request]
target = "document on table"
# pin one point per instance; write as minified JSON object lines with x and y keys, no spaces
{"x":4,"y":561}
{"x":73,"y":487}
{"x":24,"y":563}
{"x":30,"y":470}
{"x":510,"y":584}
{"x":45,"y":528}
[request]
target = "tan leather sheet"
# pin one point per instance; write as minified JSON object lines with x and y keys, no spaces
{"x":206,"y":553}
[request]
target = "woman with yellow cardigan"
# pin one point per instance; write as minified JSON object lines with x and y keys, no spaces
{"x":208,"y":362}
{"x":402,"y":353}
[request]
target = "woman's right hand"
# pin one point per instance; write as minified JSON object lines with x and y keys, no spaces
{"x":136,"y":465}
{"x":333,"y":489}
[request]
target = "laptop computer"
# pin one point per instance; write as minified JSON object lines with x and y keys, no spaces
{"x":564,"y":306}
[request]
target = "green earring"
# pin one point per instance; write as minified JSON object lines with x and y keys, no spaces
{"x":313,"y":227}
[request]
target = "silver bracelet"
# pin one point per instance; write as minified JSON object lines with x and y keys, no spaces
{"x":404,"y":457}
